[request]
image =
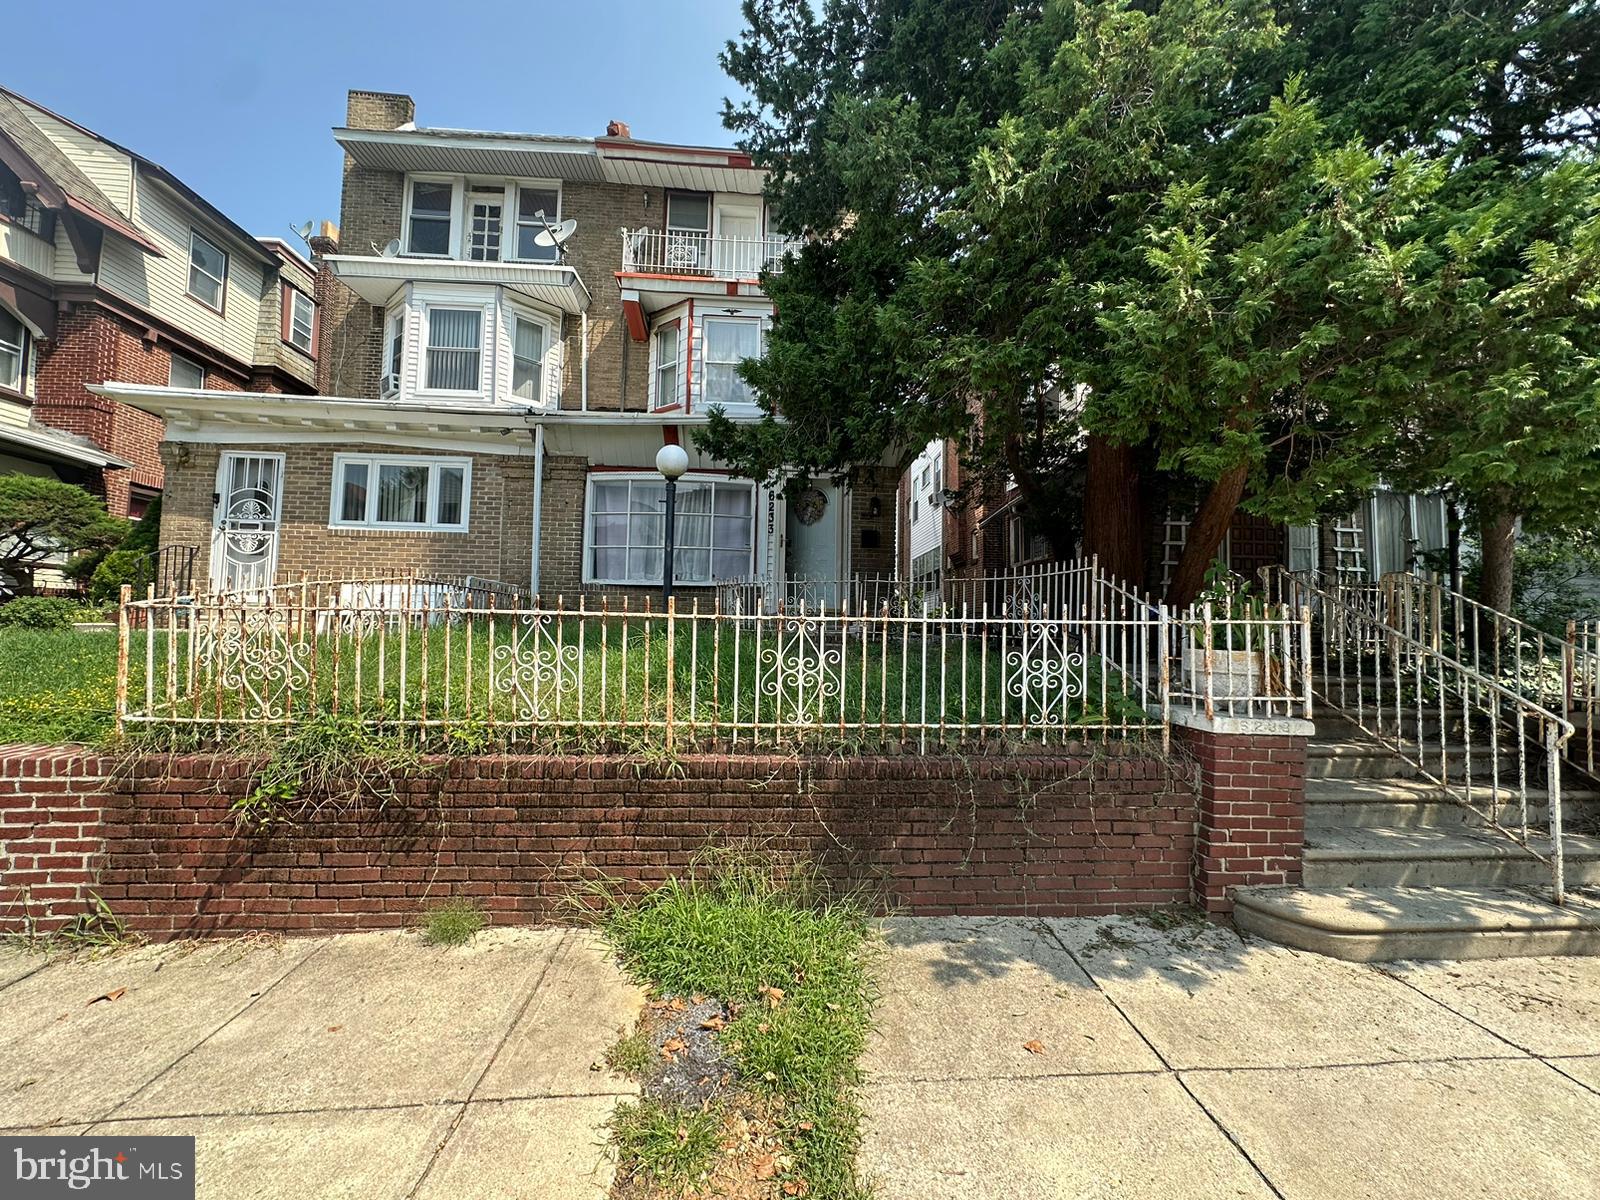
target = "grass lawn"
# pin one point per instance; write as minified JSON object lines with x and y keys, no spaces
{"x":789,"y":961}
{"x":57,"y":685}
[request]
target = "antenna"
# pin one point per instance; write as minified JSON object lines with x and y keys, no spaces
{"x":554,"y":235}
{"x":303,"y":231}
{"x":391,"y":248}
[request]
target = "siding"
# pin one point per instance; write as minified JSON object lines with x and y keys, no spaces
{"x":26,"y":250}
{"x":161,"y":285}
{"x":109,"y":170}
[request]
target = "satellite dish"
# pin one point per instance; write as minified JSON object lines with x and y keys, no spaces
{"x":303,"y":230}
{"x":392,"y":248}
{"x":555,"y":235}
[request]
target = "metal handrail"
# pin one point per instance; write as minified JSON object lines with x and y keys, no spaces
{"x":1366,"y":649}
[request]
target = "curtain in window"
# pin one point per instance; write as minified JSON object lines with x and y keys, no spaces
{"x":526,"y":355}
{"x":11,"y":342}
{"x":453,"y":340}
{"x":402,"y":495}
{"x":450,"y":488}
{"x":728,"y":343}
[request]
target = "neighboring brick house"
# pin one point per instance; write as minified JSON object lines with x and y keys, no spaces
{"x":492,"y":403}
{"x":111,"y":268}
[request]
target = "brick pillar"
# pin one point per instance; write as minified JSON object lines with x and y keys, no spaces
{"x":1252,"y":804}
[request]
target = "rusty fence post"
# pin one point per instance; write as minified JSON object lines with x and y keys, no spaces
{"x":123,"y":600}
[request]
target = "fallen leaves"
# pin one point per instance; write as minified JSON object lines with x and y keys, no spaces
{"x":773,"y":995}
{"x":714,"y":1024}
{"x":673,"y":1046}
{"x":1034,"y":1047}
{"x":113,"y":994}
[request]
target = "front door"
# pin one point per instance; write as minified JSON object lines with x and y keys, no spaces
{"x":738,"y":241}
{"x":815,"y":542}
{"x":244,"y":544}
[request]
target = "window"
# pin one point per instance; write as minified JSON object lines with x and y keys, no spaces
{"x":428,"y":231}
{"x":302,"y":321}
{"x":715,"y":532}
{"x":485,"y":220}
{"x":454,"y":349}
{"x":13,"y":351}
{"x":23,"y":208}
{"x":208,"y":271}
{"x":181,"y":373}
{"x":393,"y":492}
{"x":688,"y":231}
{"x":393,"y":342}
{"x":527,"y":358}
{"x":536,"y":206}
{"x":729,"y":341}
{"x":666,"y":371}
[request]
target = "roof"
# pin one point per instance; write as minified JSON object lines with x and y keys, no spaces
{"x":14,"y":101}
{"x":51,"y":445}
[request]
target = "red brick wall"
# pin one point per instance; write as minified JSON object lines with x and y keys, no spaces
{"x":1060,"y":835}
{"x":51,"y":836}
{"x":1252,"y":827}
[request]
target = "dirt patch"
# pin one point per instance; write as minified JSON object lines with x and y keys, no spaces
{"x":690,"y":1066}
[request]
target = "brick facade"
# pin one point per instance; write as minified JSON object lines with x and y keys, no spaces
{"x":52,"y":835}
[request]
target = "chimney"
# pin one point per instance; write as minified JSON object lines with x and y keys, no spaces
{"x":618,"y":129}
{"x":325,"y":241}
{"x":379,"y":110}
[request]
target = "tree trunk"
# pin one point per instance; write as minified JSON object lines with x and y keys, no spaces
{"x":1206,"y":532}
{"x":1497,"y":533}
{"x":1115,"y":522}
{"x":1327,"y":550}
{"x":1452,"y":516}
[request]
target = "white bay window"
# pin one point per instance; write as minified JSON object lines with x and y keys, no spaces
{"x":665,"y":351}
{"x":626,"y":529}
{"x":455,"y":349}
{"x":390,"y":491}
{"x":531,"y":340}
{"x":728,"y":342}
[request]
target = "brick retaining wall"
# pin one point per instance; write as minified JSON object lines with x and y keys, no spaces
{"x":1047,"y":835}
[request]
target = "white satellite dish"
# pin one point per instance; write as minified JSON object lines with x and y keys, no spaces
{"x":555,"y":235}
{"x":391,"y":248}
{"x":303,"y":230}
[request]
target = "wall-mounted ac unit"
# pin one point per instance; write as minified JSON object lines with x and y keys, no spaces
{"x":389,"y":385}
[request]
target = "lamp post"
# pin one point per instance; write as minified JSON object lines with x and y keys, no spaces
{"x":672,"y":461}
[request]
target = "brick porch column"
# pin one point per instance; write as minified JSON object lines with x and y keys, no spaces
{"x":1252,"y":803}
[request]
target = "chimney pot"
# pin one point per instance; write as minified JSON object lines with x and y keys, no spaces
{"x":618,"y":129}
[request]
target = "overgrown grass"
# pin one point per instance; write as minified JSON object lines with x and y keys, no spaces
{"x":790,"y":957}
{"x":57,"y":686}
{"x":668,"y":1146}
{"x":453,"y":923}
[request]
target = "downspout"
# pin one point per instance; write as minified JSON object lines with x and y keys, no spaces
{"x":538,"y":506}
{"x":583,"y":364}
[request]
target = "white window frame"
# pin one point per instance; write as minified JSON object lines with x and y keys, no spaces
{"x":551,"y":334}
{"x":173,"y":359}
{"x":21,"y":349}
{"x":661,"y":397}
{"x":653,"y":477}
{"x":295,"y":298}
{"x":373,"y":462}
{"x":457,"y":186}
{"x":394,"y":352}
{"x":515,"y":193}
{"x":426,"y":345}
{"x":707,"y":362}
{"x":222,"y":281}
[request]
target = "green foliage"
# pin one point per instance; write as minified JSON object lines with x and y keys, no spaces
{"x":664,"y":1145}
{"x":1557,"y":580}
{"x":631,"y":1055}
{"x":99,"y":928}
{"x":57,"y":686}
{"x":44,"y":520}
{"x":738,"y":927}
{"x":321,"y":762}
{"x":113,"y":570}
{"x":453,"y":923}
{"x":40,"y":612}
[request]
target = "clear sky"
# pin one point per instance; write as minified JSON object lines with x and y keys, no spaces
{"x":237,"y":97}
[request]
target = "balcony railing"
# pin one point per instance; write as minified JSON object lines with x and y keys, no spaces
{"x":701,"y":256}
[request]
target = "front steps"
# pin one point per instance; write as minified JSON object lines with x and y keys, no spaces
{"x":1395,"y":868}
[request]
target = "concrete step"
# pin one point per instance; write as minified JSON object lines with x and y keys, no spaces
{"x":1360,"y":757}
{"x":1334,"y":804}
{"x":1382,"y":924}
{"x":1389,"y":856}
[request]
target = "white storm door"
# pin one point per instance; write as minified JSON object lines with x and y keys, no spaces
{"x":244,"y":543}
{"x":737,"y":243}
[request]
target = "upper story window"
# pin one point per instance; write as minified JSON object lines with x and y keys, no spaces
{"x":208,"y":271}
{"x":301,"y":323}
{"x":22,"y":208}
{"x":394,"y":338}
{"x":429,"y":229}
{"x":665,"y":350}
{"x":391,"y":491}
{"x":688,"y":231}
{"x":182,"y":373}
{"x":13,"y":351}
{"x":529,"y":338}
{"x":536,"y":208}
{"x":455,"y":349}
{"x":728,"y":342}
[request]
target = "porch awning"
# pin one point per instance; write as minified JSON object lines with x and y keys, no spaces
{"x":376,"y":279}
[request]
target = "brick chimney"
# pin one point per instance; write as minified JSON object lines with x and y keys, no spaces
{"x":379,"y":110}
{"x":618,"y":129}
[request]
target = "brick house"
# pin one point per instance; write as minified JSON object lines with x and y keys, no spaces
{"x":513,"y":325}
{"x":111,"y":268}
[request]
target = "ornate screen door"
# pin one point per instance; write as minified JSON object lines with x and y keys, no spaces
{"x":244,"y":546}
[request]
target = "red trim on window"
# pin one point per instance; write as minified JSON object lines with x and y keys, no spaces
{"x":669,"y":436}
{"x":316,"y":328}
{"x":638,"y":330}
{"x":688,"y":362}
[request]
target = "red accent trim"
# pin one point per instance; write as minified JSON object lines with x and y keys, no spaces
{"x":668,"y":408}
{"x":733,"y":289}
{"x":285,"y":311}
{"x":116,"y":225}
{"x":669,"y":436}
{"x":633,"y":313}
{"x":688,"y":362}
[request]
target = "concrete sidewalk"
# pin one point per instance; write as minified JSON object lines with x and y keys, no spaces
{"x":1189,"y":1063}
{"x":363,"y":1066}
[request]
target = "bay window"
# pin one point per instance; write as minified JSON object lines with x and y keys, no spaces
{"x":527,"y":358}
{"x":388,"y":491}
{"x":715,"y":532}
{"x":728,"y":342}
{"x":455,"y":349}
{"x":666,"y":368}
{"x":428,"y":229}
{"x":394,"y":326}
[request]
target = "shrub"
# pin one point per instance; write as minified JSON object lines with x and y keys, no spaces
{"x":41,"y":612}
{"x":114,"y":570}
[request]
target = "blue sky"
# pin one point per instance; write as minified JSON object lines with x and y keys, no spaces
{"x":236,"y":97}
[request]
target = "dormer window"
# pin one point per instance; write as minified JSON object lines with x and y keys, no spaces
{"x":208,"y":271}
{"x":429,"y":228}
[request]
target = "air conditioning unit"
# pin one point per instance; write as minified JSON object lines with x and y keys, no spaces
{"x":389,"y":385}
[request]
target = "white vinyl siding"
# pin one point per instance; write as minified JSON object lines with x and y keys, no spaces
{"x":109,"y":170}
{"x":393,"y":491}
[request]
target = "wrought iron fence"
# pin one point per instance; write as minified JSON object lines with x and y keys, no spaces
{"x":1428,"y":688}
{"x":1099,"y":661}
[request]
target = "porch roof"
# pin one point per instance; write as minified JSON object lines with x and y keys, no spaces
{"x":50,"y":446}
{"x":376,"y":279}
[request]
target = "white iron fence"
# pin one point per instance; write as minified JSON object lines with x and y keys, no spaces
{"x":687,"y":252}
{"x":1093,"y":659}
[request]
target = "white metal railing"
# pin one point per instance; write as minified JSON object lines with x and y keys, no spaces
{"x":1420,"y":687}
{"x":1061,"y":654}
{"x":684,"y":252}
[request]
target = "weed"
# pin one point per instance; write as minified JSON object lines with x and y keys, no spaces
{"x":453,"y":923}
{"x":631,"y":1055}
{"x":663,"y":1144}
